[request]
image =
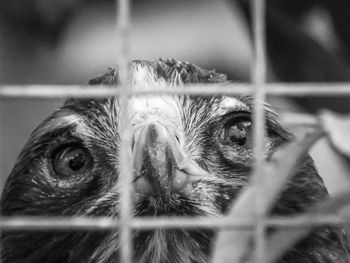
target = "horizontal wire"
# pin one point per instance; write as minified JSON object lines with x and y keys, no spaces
{"x":238,"y":223}
{"x":57,"y":92}
{"x":104,"y":223}
{"x":81,"y":91}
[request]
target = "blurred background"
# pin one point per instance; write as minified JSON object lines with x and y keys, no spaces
{"x":72,"y":41}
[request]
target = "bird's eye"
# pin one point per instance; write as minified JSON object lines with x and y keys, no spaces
{"x":236,"y":129}
{"x":71,"y":159}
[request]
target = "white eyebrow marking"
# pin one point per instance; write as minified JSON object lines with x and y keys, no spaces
{"x":229,"y":104}
{"x":60,"y":120}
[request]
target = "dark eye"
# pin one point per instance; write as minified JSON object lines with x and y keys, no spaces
{"x":71,"y":159}
{"x":236,"y":129}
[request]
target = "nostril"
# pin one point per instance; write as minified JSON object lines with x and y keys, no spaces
{"x":132,"y":143}
{"x":177,"y":138}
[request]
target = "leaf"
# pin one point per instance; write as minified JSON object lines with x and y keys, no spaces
{"x":337,"y":128}
{"x":234,"y":246}
{"x":280,"y":242}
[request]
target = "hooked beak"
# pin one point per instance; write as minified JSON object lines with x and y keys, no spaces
{"x":160,"y":165}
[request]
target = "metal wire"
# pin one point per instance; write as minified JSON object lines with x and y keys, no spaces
{"x":125,"y":177}
{"x":259,"y":79}
{"x":82,"y":91}
{"x":148,"y":223}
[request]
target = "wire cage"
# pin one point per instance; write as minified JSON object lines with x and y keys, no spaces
{"x":126,"y":223}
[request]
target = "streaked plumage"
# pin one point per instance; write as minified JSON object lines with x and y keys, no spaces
{"x":192,"y":155}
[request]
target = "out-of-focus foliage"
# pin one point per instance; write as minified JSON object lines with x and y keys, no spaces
{"x":338,"y":128}
{"x":44,"y":19}
{"x":308,"y":41}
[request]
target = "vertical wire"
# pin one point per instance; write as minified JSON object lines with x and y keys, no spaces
{"x":125,"y":177}
{"x":259,"y":79}
{"x":2,"y":179}
{"x":2,"y":175}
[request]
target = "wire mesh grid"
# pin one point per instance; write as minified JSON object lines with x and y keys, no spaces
{"x":125,"y":223}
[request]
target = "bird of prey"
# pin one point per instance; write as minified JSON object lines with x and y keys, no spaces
{"x":191,"y":155}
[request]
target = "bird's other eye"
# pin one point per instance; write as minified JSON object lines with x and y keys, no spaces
{"x":71,"y":159}
{"x":236,"y":129}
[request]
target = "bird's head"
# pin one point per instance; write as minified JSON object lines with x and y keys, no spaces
{"x":190,"y":156}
